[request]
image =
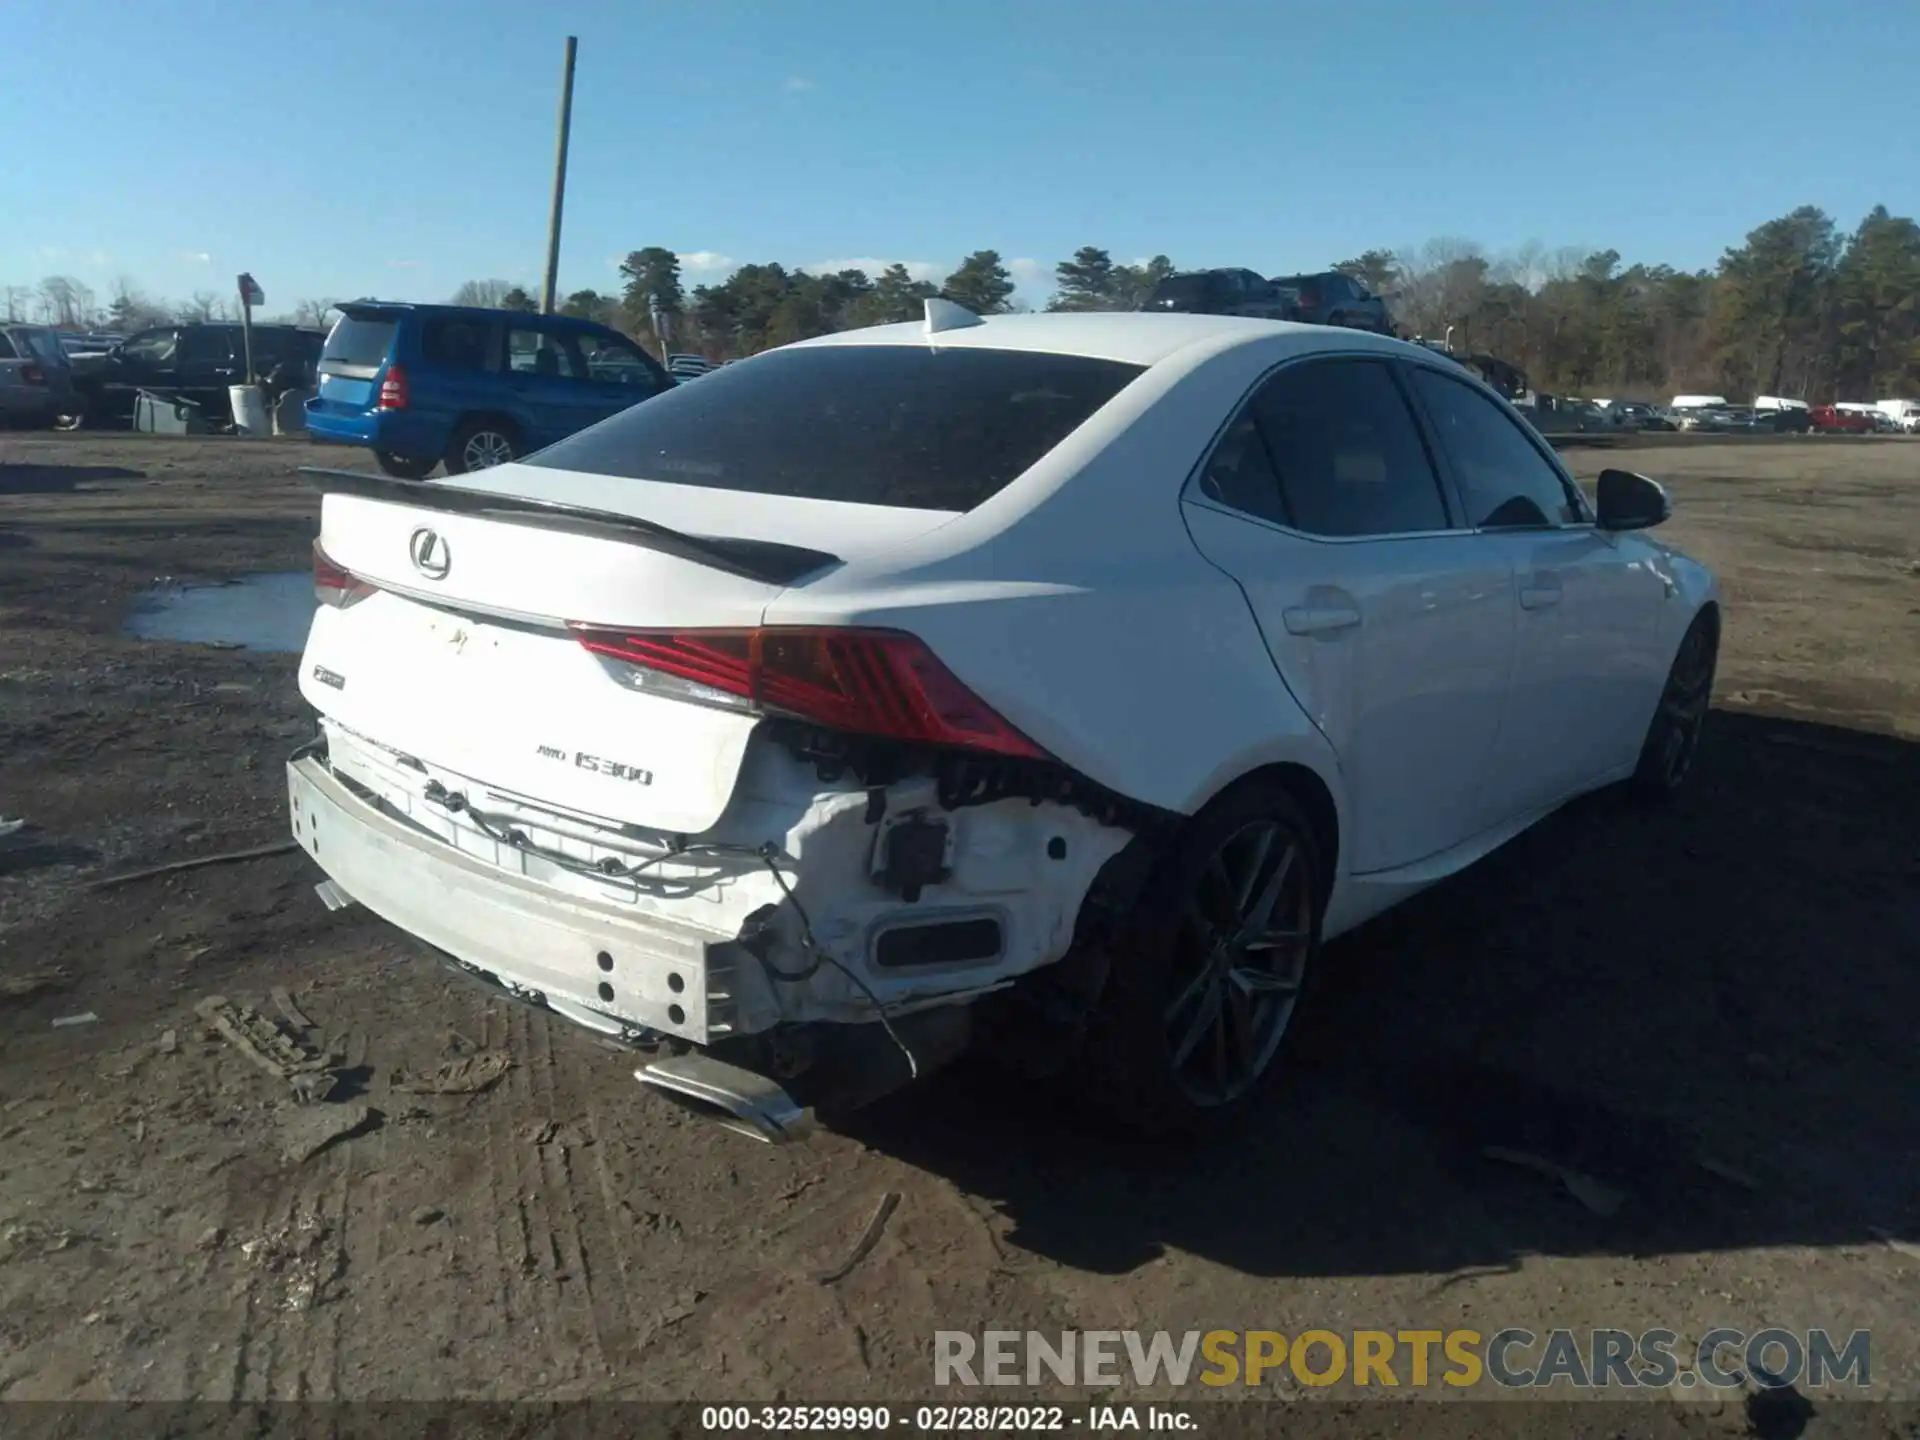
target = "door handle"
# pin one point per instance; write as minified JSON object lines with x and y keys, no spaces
{"x":1539,"y":591}
{"x":1319,"y":619}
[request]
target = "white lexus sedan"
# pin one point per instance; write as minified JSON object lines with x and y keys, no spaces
{"x":1049,"y":684}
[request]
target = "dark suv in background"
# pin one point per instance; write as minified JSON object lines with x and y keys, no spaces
{"x":196,"y":361}
{"x":1331,"y":298}
{"x":1225,"y":291}
{"x":422,"y":385}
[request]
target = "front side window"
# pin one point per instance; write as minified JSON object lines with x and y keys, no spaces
{"x":915,"y":426}
{"x":1504,"y":480}
{"x":1348,"y":452}
{"x":611,"y":360}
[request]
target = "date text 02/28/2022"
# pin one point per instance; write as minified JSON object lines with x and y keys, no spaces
{"x":944,"y":1419}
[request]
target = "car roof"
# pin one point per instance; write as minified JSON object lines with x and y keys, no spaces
{"x":1130,"y":336}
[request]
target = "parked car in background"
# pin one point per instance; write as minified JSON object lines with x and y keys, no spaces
{"x":1832,"y":420}
{"x":196,"y":361}
{"x":425,"y":385}
{"x":815,"y":722}
{"x":1632,"y":415}
{"x":688,"y":367}
{"x":36,"y":378}
{"x":1332,"y":298}
{"x":1225,"y":291}
{"x":1905,"y":414}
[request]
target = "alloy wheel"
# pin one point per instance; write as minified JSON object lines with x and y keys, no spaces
{"x":485,"y":449}
{"x":1240,"y":960}
{"x":1684,"y":704}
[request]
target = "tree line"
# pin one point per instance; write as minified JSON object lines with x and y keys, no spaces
{"x":1799,"y":308}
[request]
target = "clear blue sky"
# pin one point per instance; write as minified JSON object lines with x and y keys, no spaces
{"x":398,"y":148}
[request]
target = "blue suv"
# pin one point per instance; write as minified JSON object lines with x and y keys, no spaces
{"x":422,"y":385}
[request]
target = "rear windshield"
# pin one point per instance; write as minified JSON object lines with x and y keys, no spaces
{"x":359,"y":342}
{"x":901,"y":425}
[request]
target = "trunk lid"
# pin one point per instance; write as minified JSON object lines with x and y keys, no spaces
{"x":462,"y":658}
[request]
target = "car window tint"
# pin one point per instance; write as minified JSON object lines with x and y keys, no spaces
{"x":907,"y":425}
{"x":1504,"y":480}
{"x":611,"y":360}
{"x":536,"y":352}
{"x":1240,"y":474}
{"x":205,"y":344}
{"x":7,"y":352}
{"x":1349,"y":456}
{"x":457,"y":344}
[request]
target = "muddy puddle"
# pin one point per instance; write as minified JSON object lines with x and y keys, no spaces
{"x":253,"y":612}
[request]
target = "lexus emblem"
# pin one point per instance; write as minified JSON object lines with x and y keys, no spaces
{"x":429,"y":551}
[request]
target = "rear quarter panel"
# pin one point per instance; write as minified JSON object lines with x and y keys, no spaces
{"x":1076,"y":603}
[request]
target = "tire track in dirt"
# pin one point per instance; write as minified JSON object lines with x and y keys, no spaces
{"x":496,"y":1033}
{"x":600,"y":1315}
{"x":567,"y":1324}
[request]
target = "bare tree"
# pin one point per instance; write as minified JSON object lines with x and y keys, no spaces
{"x":485,"y":294}
{"x":18,"y":300}
{"x":65,"y":302}
{"x":128,"y":309}
{"x":314,"y":312}
{"x":204,"y":306}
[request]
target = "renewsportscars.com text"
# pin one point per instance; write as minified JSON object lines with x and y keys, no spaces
{"x":1511,"y":1358}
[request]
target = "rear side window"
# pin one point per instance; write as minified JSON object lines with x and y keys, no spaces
{"x":7,"y":352}
{"x":1349,"y":455}
{"x":207,"y":345}
{"x":456,"y":344}
{"x":902,"y":425}
{"x":359,"y":343}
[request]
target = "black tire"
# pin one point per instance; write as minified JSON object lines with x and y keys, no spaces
{"x":1673,"y":735}
{"x":480,"y":436}
{"x":404,"y":467}
{"x":1142,"y":1063}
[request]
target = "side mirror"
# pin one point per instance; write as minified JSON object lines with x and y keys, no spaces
{"x":1626,"y":501}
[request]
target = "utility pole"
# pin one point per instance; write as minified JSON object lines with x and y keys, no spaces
{"x":559,"y":180}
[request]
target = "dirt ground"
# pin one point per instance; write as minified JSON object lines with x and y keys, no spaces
{"x":1710,"y":1011}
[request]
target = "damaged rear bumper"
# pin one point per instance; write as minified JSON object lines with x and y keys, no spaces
{"x":609,"y":968}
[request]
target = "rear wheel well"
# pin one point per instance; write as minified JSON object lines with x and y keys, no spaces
{"x":1310,"y":792}
{"x":491,"y":418}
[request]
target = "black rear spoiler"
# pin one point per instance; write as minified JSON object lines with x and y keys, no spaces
{"x":767,"y":561}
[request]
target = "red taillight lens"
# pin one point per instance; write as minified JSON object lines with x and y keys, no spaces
{"x":1310,"y":299}
{"x":334,"y":585}
{"x":32,"y":375}
{"x":393,"y":389}
{"x":866,"y":682}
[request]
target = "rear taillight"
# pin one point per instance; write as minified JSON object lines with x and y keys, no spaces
{"x":335,"y":585}
{"x":1309,"y":299}
{"x":32,"y":375}
{"x":865,"y":682}
{"x":393,"y":389}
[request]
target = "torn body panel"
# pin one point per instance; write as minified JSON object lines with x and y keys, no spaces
{"x":809,"y":900}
